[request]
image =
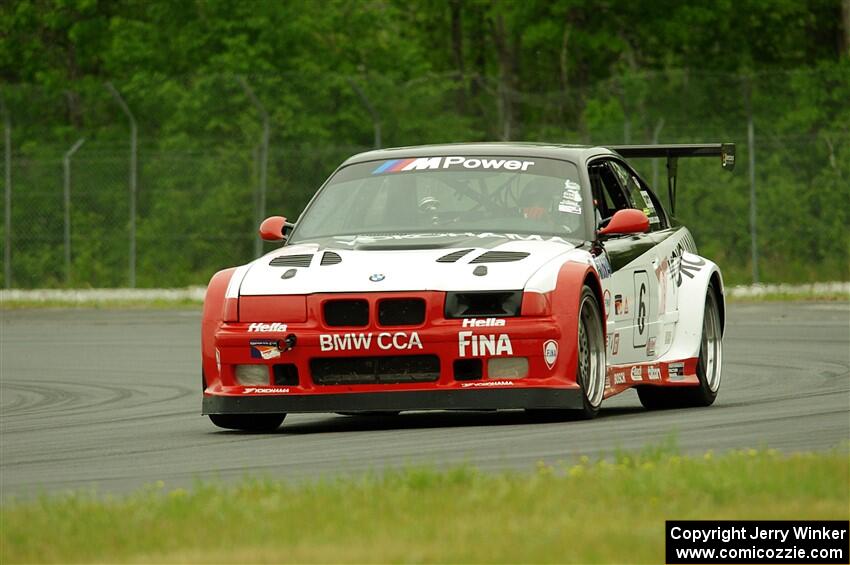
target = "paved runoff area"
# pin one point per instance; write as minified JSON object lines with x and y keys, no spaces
{"x":111,"y":399}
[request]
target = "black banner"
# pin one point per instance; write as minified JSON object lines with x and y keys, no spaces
{"x":751,"y":541}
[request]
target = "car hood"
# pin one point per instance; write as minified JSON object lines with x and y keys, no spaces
{"x":410,"y":262}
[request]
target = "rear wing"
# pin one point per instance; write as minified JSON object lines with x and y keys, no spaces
{"x":726,"y":152}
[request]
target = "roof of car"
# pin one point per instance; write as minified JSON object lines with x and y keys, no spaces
{"x":494,"y":149}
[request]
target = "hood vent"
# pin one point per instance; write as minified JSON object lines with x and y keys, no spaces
{"x":331,"y":258}
{"x":500,"y":257}
{"x":453,"y":256}
{"x":291,"y":261}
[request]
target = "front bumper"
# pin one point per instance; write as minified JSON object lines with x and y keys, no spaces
{"x":443,"y":383}
{"x":472,"y":398}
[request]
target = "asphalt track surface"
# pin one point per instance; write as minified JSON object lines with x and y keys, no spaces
{"x":111,"y":399}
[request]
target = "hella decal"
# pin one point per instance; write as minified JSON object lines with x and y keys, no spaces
{"x":264,"y":328}
{"x":431,"y":163}
{"x":482,"y":323}
{"x":481,"y":345}
{"x":360,"y":341}
{"x":550,"y":352}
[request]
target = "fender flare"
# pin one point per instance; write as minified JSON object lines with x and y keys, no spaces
{"x":572,"y":278}
{"x":697,"y":275}
{"x":211,"y":321}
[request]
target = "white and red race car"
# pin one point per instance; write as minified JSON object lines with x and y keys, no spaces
{"x":468,"y":277}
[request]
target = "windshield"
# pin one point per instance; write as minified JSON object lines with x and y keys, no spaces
{"x":526,"y":195}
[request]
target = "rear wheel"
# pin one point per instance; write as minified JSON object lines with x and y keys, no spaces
{"x":591,"y":363}
{"x":709,"y":367}
{"x":248,"y":422}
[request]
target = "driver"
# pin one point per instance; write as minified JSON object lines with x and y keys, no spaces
{"x":547,"y":200}
{"x":539,"y":198}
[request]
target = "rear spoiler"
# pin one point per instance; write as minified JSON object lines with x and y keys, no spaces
{"x":726,"y":152}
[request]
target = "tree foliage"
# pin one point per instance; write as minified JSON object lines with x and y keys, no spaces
{"x":336,"y":75}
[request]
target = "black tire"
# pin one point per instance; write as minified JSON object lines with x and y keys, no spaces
{"x":708,"y":367}
{"x":248,"y":422}
{"x":591,"y":365}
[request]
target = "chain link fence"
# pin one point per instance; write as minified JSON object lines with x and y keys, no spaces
{"x":214,"y":154}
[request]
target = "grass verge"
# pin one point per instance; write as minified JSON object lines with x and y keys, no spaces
{"x":592,"y":512}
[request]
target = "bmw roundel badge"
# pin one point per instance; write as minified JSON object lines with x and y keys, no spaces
{"x":377,"y":277}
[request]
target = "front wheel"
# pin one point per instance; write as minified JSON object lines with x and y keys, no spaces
{"x":708,"y":367}
{"x":590,"y":363}
{"x":248,"y":422}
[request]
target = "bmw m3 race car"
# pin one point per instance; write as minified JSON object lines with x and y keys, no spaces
{"x":470,"y":277}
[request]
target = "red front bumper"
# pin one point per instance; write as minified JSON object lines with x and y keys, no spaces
{"x":452,"y":344}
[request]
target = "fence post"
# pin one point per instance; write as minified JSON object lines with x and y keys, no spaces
{"x":133,"y":148}
{"x":66,"y":166}
{"x":376,"y":117}
{"x":7,"y":247}
{"x":264,"y":161}
{"x":751,"y":157}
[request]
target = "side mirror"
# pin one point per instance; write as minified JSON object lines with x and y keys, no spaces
{"x":626,"y":221}
{"x":272,"y":229}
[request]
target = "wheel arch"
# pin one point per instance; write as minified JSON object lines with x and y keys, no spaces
{"x":716,"y":283}
{"x":572,"y":278}
{"x":701,"y":277}
{"x":210,"y":323}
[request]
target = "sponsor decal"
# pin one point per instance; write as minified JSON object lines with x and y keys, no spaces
{"x":621,"y":305}
{"x":487,"y":383}
{"x":377,"y":277}
{"x":469,"y":344}
{"x":218,"y":360}
{"x":668,"y":337}
{"x":550,"y":352}
{"x":361,"y":341}
{"x":650,"y":347}
{"x":482,"y":322}
{"x":352,"y":240}
{"x":265,"y":390}
{"x":650,"y":207}
{"x":607,"y":297}
{"x":264,"y":349}
{"x":619,"y":378}
{"x":690,"y":267}
{"x":432,"y":163}
{"x":570,"y":198}
{"x":676,"y":371}
{"x":607,"y":381}
{"x":266,"y":328}
{"x":603,"y":266}
{"x":615,"y":344}
{"x":654,"y":373}
{"x":679,"y":265}
{"x":637,"y":374}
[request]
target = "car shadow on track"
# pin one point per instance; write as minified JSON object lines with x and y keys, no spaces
{"x":437,"y":419}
